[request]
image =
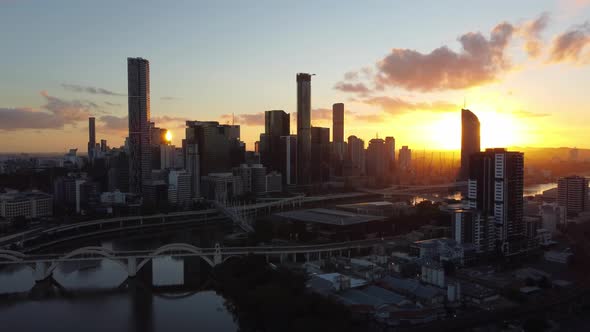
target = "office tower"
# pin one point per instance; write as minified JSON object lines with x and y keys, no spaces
{"x":276,"y":124}
{"x":91,"y":138}
{"x":303,"y":129}
{"x":470,"y":138}
{"x":288,"y":161}
{"x":320,"y":154}
{"x":356,"y":155}
{"x":103,"y":145}
{"x":338,"y":122}
{"x":495,"y":190}
{"x":377,"y":159}
{"x":253,"y":178}
{"x":390,"y":152}
{"x":213,"y":145}
{"x":572,"y":195}
{"x":179,"y":188}
{"x":405,"y":158}
{"x":138,"y":83}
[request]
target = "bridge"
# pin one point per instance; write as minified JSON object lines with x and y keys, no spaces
{"x":415,"y":190}
{"x":45,"y":237}
{"x":43,"y":265}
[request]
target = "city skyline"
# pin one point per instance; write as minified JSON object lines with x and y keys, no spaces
{"x":46,"y":108}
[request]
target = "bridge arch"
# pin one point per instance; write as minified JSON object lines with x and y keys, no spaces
{"x":99,"y":251}
{"x":176,"y":247}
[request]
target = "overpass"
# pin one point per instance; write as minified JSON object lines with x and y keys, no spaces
{"x":415,"y":190}
{"x":43,"y":265}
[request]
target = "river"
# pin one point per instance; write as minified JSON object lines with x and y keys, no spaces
{"x":96,"y":296}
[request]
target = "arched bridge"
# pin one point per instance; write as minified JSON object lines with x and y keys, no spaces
{"x":132,"y":261}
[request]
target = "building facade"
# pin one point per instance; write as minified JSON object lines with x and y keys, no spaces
{"x":470,"y":140}
{"x":303,"y":129}
{"x":572,"y":195}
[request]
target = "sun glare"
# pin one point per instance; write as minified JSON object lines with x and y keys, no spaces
{"x":169,"y":136}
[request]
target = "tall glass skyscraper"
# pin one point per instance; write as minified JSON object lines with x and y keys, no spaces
{"x":303,"y":129}
{"x":470,"y":140}
{"x":138,"y":83}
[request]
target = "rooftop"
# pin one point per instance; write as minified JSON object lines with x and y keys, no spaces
{"x":329,"y":217}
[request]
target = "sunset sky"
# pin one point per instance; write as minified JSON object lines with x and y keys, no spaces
{"x":402,"y":68}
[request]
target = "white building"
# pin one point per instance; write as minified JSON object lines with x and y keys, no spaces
{"x":26,"y":204}
{"x":113,"y":198}
{"x":179,"y":187}
{"x":221,"y":186}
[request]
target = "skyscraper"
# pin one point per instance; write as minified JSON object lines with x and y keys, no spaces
{"x":572,"y":195}
{"x":496,"y":182}
{"x":390,"y":152}
{"x":91,"y":138}
{"x":338,"y":122}
{"x":405,"y":158}
{"x":138,"y":84}
{"x":377,"y":159}
{"x":303,"y":128}
{"x":356,"y":154}
{"x":320,"y":154}
{"x":276,"y":124}
{"x":470,"y":140}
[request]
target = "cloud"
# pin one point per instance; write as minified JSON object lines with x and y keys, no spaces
{"x":112,"y":104}
{"x":531,"y":32}
{"x":247,"y":119}
{"x":372,"y":118}
{"x":396,"y":106}
{"x":112,"y":123}
{"x":169,"y":98}
{"x":55,"y":114}
{"x":91,"y":90}
{"x":527,"y":114}
{"x":481,"y":60}
{"x":360,"y":88}
{"x":570,"y":46}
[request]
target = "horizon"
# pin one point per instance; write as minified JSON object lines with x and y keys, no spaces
{"x":491,"y":62}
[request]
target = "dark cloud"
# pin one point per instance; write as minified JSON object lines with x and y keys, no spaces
{"x":359,"y":87}
{"x":397,"y":106}
{"x":91,"y":90}
{"x":570,"y":46}
{"x":55,"y":114}
{"x":531,"y":32}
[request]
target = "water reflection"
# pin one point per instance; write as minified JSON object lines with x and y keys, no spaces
{"x":97,"y":296}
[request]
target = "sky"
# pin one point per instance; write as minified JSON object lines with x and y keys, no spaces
{"x":402,"y":68}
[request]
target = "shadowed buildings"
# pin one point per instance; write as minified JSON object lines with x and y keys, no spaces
{"x":572,"y":195}
{"x":276,"y":125}
{"x":138,"y":83}
{"x":338,"y":145}
{"x":495,"y":190}
{"x":470,"y":140}
{"x":304,"y":128}
{"x":91,"y":138}
{"x":356,"y":156}
{"x":320,"y":154}
{"x":377,"y":159}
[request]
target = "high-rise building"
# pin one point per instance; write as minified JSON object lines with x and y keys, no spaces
{"x":179,"y":187}
{"x":572,"y":195}
{"x":470,"y":140}
{"x":103,"y":146}
{"x":356,"y":155}
{"x":91,"y":138}
{"x":495,"y":189}
{"x":320,"y":154}
{"x":390,"y":152}
{"x":338,"y":122}
{"x":276,"y":124}
{"x":303,"y":129}
{"x":405,"y":158}
{"x":288,"y":161}
{"x":138,"y":83}
{"x":377,"y":159}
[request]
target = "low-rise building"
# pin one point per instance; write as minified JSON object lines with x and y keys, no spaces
{"x":33,"y":204}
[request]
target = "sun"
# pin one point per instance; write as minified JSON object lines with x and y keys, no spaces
{"x":168,"y":136}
